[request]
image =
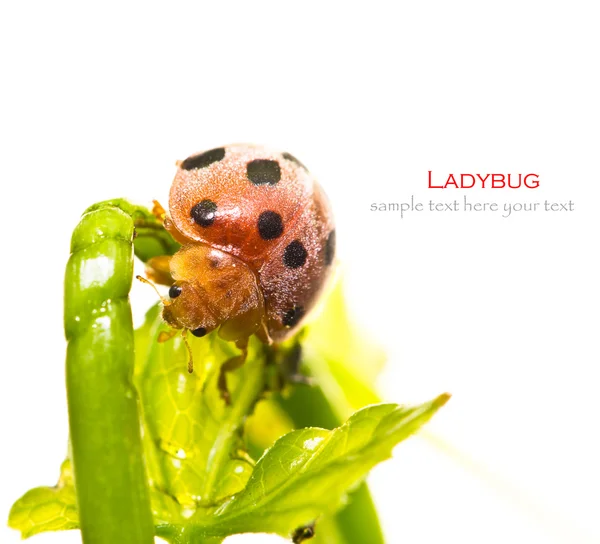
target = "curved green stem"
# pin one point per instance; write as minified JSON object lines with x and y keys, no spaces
{"x":112,"y":488}
{"x":150,"y":239}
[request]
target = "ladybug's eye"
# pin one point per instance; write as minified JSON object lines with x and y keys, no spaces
{"x":174,"y":291}
{"x":199,"y":332}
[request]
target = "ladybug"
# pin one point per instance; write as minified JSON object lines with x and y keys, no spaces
{"x":258,"y":243}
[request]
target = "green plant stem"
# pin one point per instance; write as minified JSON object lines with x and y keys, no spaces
{"x":151,"y":239}
{"x":106,"y":449}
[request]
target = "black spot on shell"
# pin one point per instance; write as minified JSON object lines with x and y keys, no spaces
{"x":263,"y":172}
{"x":203,"y":160}
{"x":330,"y":248}
{"x":270,"y":225}
{"x":204,"y":212}
{"x":199,"y":332}
{"x":294,"y":255}
{"x":290,"y":157}
{"x":292,"y":317}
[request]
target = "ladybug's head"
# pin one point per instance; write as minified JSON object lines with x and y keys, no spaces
{"x":188,"y":308}
{"x":213,"y":290}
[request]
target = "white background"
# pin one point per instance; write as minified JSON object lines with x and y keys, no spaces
{"x":99,"y":100}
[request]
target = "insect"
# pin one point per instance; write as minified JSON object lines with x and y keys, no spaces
{"x":258,"y":243}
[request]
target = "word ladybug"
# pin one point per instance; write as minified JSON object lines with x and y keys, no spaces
{"x":258,"y":242}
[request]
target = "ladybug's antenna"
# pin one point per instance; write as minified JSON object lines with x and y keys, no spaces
{"x":164,"y":300}
{"x":164,"y":336}
{"x":187,"y":345}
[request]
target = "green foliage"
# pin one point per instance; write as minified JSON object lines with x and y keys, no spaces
{"x":193,"y":440}
{"x":47,"y":508}
{"x":211,"y":469}
{"x":307,"y":472}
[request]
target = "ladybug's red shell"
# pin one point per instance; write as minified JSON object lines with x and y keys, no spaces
{"x":263,"y":207}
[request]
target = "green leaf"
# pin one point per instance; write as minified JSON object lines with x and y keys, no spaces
{"x":46,"y":508}
{"x":308,"y":472}
{"x":193,"y":443}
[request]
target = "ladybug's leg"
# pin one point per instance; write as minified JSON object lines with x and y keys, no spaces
{"x":158,"y":269}
{"x":289,"y":367}
{"x":230,"y":365}
{"x":263,"y":333}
